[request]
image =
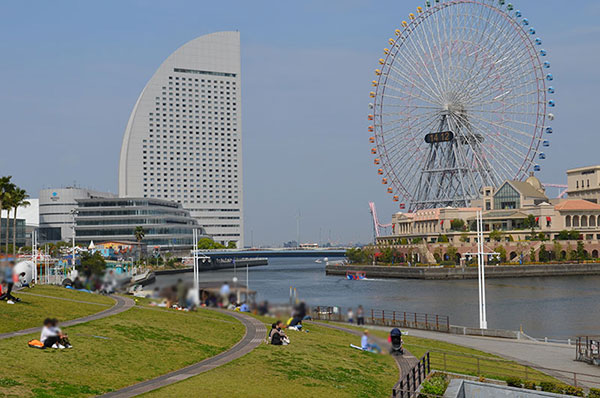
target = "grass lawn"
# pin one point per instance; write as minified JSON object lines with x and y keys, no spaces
{"x":460,"y":359}
{"x":320,"y":363}
{"x":32,"y":310}
{"x":137,"y":345}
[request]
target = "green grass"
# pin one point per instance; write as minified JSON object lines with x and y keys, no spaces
{"x":32,"y":310}
{"x":139,"y":344}
{"x":464,"y":360}
{"x":320,"y":363}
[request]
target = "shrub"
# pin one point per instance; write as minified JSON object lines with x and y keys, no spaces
{"x":436,"y":385}
{"x":574,"y":391}
{"x":594,"y":393}
{"x":530,"y":385}
{"x":514,"y":382}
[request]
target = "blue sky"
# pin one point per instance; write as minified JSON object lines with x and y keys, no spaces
{"x":72,"y":70}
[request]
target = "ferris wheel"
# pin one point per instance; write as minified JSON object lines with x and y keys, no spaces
{"x":462,"y":100}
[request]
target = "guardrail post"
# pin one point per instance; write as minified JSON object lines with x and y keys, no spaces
{"x":393,"y":317}
{"x":426,"y":321}
{"x":372,"y":317}
{"x":428,"y":363}
{"x":415,"y":320}
{"x":404,"y":318}
{"x":383,"y":316}
{"x":437,"y":326}
{"x":448,"y":323}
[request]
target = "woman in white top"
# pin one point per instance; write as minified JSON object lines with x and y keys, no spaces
{"x":49,"y":335}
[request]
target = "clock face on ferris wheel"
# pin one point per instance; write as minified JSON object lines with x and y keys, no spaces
{"x":462,"y":99}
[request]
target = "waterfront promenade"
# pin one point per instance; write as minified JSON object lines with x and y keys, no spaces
{"x":557,"y":360}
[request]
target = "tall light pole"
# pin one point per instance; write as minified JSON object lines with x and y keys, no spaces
{"x":73,"y":214}
{"x":481,"y":271}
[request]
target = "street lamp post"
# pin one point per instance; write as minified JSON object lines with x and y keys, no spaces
{"x":73,"y":214}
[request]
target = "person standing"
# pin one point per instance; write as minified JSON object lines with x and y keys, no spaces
{"x":350,"y":316}
{"x":8,"y":284}
{"x":360,"y":315}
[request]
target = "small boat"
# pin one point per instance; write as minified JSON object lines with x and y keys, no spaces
{"x":356,"y":275}
{"x":143,"y":279}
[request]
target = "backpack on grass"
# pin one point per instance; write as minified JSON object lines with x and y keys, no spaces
{"x":36,"y":344}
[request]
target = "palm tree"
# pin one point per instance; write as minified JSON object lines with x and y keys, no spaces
{"x":19,"y":199}
{"x":7,"y":203}
{"x":139,"y":234}
{"x":4,"y":187}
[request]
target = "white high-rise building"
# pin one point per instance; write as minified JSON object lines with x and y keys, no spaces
{"x":183,"y":141}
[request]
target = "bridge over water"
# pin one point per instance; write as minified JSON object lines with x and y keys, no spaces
{"x":275,"y":252}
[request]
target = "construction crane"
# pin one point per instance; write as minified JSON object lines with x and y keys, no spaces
{"x":376,"y":224}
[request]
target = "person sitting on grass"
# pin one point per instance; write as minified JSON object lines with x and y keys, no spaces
{"x":52,"y":336}
{"x":277,"y":336}
{"x":366,"y":345}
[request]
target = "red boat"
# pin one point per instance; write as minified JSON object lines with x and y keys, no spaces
{"x":356,"y":275}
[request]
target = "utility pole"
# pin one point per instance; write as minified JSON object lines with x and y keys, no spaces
{"x":73,"y":213}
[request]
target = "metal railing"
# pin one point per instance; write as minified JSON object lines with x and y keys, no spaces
{"x":412,"y":320}
{"x":410,"y":382}
{"x":498,"y":368}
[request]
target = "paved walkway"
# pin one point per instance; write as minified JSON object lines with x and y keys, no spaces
{"x":557,"y":360}
{"x":121,"y":304}
{"x":254,"y":336}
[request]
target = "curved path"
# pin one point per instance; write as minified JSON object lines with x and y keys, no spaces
{"x":254,"y":336}
{"x":121,"y":304}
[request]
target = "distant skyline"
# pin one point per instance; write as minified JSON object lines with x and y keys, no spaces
{"x":72,"y":72}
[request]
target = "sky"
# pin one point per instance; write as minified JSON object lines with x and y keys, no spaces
{"x":71,"y":72}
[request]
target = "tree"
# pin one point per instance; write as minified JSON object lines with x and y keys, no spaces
{"x":209,"y":244}
{"x":451,"y":252}
{"x":464,"y":237}
{"x":543,"y":254}
{"x":496,"y":235}
{"x":442,"y":239}
{"x":542,"y":237}
{"x":7,"y":204}
{"x":19,"y":199}
{"x":232,"y":245}
{"x":568,"y":235}
{"x":581,"y":254}
{"x":4,"y":189}
{"x":457,"y":225}
{"x":557,"y":250}
{"x":139,"y":235}
{"x":501,"y":253}
{"x":531,"y":223}
{"x":93,"y":262}
{"x":531,"y":255}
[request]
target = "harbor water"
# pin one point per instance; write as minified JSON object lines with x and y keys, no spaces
{"x":554,"y":307}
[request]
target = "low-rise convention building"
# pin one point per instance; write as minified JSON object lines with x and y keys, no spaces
{"x":167,"y":225}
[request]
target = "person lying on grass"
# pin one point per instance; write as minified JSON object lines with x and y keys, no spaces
{"x":52,"y":336}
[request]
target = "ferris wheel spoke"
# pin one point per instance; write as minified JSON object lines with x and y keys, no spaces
{"x":505,"y":127}
{"x":423,"y":85}
{"x":510,"y":155}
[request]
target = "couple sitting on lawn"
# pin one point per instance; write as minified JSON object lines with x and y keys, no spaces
{"x":52,"y":336}
{"x":277,"y":336}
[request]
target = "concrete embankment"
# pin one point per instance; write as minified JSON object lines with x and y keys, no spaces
{"x":250,"y":262}
{"x":500,"y":271}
